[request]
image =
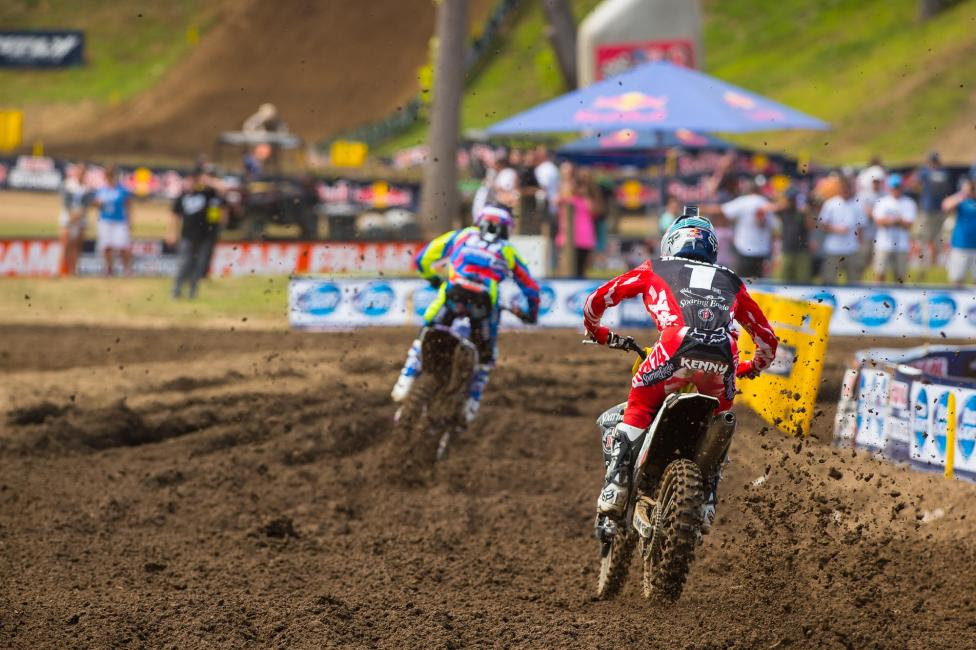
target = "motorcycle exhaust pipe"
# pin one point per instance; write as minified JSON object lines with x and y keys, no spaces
{"x":715,"y":444}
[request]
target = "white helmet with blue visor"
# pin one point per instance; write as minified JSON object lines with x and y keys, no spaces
{"x":691,"y":236}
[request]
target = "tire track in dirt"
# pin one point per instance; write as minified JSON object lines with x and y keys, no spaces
{"x":266,"y":522}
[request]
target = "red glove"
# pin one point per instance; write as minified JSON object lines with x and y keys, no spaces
{"x":747,"y":370}
{"x":601,"y":335}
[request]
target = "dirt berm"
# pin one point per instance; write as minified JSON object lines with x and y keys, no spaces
{"x":327,"y":66}
{"x":189,"y":489}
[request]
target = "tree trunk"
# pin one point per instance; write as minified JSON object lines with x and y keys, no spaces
{"x":439,"y":198}
{"x":561,"y":31}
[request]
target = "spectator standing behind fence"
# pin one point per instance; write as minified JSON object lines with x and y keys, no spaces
{"x":866,"y":199}
{"x":751,"y":216}
{"x":197,"y":212}
{"x":962,"y":252}
{"x":894,"y":214}
{"x":575,"y":200}
{"x":933,"y":187}
{"x":547,"y":179}
{"x":841,"y":220}
{"x":867,"y":177}
{"x":114,"y":203}
{"x":796,"y":224}
{"x":76,"y":198}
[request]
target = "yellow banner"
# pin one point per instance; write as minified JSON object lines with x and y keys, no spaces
{"x":348,"y":153}
{"x":785,"y":395}
{"x":11,"y":129}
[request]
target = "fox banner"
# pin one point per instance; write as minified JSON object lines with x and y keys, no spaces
{"x":786,"y":393}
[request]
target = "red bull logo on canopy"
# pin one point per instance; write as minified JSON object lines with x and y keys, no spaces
{"x":749,"y":106}
{"x":621,"y":138}
{"x":631,"y":106}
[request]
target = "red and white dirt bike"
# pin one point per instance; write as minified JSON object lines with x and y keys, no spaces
{"x":685,"y":445}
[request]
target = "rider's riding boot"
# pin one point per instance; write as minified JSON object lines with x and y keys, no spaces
{"x":479,"y":380}
{"x":411,"y":369}
{"x":613,"y":497}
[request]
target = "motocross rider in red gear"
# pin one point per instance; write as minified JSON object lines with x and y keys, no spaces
{"x":693,"y":302}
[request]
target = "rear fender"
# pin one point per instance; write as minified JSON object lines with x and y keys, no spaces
{"x":677,"y":432}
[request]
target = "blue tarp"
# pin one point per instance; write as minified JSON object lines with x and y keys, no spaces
{"x":639,"y":148}
{"x":658,"y":96}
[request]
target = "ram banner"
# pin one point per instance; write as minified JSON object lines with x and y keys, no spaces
{"x":786,"y":394}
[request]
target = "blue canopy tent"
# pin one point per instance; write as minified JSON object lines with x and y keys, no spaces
{"x":658,"y":97}
{"x":637,"y":148}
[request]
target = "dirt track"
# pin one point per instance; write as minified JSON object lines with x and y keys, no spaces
{"x":230,"y":500}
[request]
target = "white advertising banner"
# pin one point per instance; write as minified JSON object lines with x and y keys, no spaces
{"x":891,"y":311}
{"x":929,"y":442}
{"x":314,"y":303}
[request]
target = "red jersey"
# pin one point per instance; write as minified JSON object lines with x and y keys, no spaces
{"x":686,"y":297}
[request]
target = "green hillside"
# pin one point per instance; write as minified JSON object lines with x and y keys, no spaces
{"x":128,"y":47}
{"x":887,"y":83}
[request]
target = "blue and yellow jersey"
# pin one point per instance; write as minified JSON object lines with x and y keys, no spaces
{"x":476,"y":264}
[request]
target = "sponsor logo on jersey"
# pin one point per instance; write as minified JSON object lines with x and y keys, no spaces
{"x":873,"y":311}
{"x":319,"y":301}
{"x":935,"y":312}
{"x":706,"y":314}
{"x":375,"y":299}
{"x":702,"y":299}
{"x":704,"y":365}
{"x":660,"y":373}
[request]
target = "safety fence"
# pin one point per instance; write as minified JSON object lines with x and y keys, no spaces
{"x":857,"y":311}
{"x":914,"y":406}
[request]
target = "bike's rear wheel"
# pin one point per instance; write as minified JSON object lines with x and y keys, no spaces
{"x":413,"y":449}
{"x":615,"y":556}
{"x":672,"y":548}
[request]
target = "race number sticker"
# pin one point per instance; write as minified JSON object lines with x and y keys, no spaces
{"x":701,"y":276}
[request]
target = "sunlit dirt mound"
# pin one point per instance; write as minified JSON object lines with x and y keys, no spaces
{"x":193,"y":488}
{"x":327,"y":66}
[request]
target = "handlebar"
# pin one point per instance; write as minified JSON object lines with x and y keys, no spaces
{"x":617,"y":342}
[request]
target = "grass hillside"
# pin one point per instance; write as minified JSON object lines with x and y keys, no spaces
{"x":887,"y":83}
{"x":128,"y":47}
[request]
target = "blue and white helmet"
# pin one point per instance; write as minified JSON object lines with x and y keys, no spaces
{"x":495,"y":222}
{"x":691,"y":236}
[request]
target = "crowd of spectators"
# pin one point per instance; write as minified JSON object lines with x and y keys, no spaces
{"x":851,"y":228}
{"x":848,"y":227}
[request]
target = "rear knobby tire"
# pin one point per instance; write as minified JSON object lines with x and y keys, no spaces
{"x":680,"y":498}
{"x":413,"y":449}
{"x":447,"y":410}
{"x":615,"y":562}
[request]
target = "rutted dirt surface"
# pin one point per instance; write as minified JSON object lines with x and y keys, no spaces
{"x":220,"y":489}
